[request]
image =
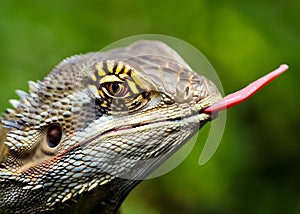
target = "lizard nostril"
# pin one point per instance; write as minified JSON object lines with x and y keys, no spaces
{"x":187,"y":91}
{"x":54,"y":134}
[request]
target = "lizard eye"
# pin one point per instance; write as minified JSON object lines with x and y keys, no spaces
{"x":54,"y":135}
{"x":116,"y":89}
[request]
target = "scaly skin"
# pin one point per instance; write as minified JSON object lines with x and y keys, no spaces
{"x":86,"y":135}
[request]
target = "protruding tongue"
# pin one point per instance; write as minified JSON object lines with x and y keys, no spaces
{"x":243,"y":94}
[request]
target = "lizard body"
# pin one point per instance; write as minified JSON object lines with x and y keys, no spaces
{"x":86,"y":135}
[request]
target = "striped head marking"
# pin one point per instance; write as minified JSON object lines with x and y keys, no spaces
{"x":117,"y":87}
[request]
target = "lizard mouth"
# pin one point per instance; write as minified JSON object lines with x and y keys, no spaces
{"x":121,"y":130}
{"x":192,"y":115}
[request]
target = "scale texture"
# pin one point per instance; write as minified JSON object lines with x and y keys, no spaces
{"x":82,"y":138}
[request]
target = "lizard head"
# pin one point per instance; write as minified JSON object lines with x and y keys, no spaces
{"x":97,"y":125}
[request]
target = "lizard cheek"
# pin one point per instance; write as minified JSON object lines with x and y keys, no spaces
{"x":54,"y":135}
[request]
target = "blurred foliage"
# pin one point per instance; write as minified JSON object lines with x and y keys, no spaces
{"x":256,"y":168}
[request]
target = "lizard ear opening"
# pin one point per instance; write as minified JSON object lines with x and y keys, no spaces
{"x":54,"y":135}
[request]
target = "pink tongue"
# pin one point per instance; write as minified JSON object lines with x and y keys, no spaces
{"x":243,"y":94}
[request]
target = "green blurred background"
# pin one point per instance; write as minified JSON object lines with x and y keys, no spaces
{"x":256,"y":168}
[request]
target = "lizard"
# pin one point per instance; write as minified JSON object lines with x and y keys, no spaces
{"x":97,"y":125}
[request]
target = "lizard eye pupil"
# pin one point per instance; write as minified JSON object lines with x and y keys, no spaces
{"x":54,"y":135}
{"x":117,"y":89}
